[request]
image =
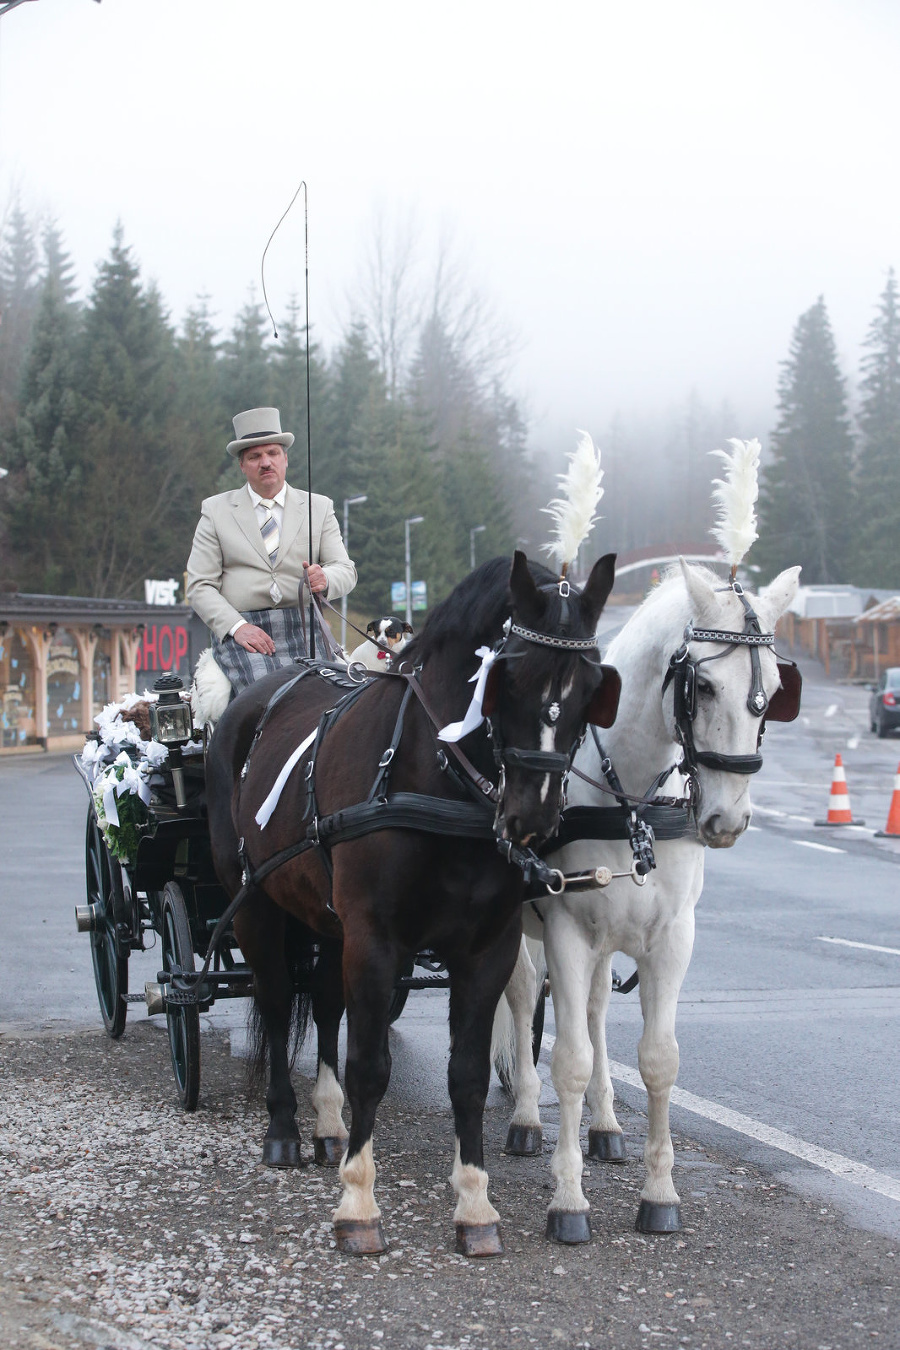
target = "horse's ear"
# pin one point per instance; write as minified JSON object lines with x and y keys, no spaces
{"x":596,"y":592}
{"x":784,"y":705}
{"x":775,"y":598}
{"x":605,"y":703}
{"x":527,"y":599}
{"x":700,"y":591}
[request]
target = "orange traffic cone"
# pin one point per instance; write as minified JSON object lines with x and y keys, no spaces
{"x":893,"y":821}
{"x":839,"y":802}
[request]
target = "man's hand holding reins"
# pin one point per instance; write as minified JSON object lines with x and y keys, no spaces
{"x":316,"y":579}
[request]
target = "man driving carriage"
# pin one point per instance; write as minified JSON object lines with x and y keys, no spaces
{"x":252,"y":556}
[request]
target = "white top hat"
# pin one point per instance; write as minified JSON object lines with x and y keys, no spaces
{"x":258,"y":426}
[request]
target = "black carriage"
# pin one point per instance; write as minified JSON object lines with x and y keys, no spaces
{"x":168,"y":897}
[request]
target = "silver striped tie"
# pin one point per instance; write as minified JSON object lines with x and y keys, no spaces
{"x":270,"y":533}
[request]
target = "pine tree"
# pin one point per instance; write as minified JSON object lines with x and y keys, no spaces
{"x":459,"y":417}
{"x":366,"y":431}
{"x":288,"y":385}
{"x":200,"y":425}
{"x":44,"y":473}
{"x":19,"y":287}
{"x":877,"y":555}
{"x":127,"y":445}
{"x":805,"y":508}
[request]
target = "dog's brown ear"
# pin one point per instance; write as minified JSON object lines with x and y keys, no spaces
{"x":407,"y":627}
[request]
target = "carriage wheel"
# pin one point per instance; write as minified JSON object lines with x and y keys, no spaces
{"x":182,"y":1020}
{"x":506,"y":1068}
{"x":399,"y":995}
{"x":397,"y":1004}
{"x":106,"y":894}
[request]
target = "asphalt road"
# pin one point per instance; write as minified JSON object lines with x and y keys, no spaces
{"x":787,"y":1112}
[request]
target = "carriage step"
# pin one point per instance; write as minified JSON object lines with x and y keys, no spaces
{"x":134,"y":998}
{"x":423,"y":982}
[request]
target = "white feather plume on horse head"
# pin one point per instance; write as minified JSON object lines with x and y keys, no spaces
{"x":735,"y":495}
{"x":574,"y":512}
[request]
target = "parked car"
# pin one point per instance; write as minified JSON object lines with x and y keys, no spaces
{"x":884,"y":705}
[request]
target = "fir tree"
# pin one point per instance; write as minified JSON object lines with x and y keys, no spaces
{"x":19,"y":287}
{"x":288,"y":385}
{"x":128,"y":448}
{"x":877,"y":554}
{"x":200,"y":425}
{"x":805,"y":502}
{"x":44,"y":473}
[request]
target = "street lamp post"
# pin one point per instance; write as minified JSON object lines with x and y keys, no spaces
{"x":348,"y":502}
{"x":476,"y":529}
{"x":410,"y":520}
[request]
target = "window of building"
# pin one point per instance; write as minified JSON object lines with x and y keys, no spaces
{"x":17,"y":725}
{"x":63,"y":685}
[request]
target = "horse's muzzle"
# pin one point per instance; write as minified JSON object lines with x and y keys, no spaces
{"x":715,"y":833}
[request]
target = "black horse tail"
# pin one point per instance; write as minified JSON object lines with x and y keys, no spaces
{"x":300,"y":951}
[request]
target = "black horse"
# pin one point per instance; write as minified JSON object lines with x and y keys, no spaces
{"x":378,"y":882}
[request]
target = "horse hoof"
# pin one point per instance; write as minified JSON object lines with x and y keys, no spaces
{"x":328,"y":1150}
{"x":524,"y":1141}
{"x":479,"y":1239}
{"x":360,"y":1237}
{"x":655,"y":1218}
{"x":282,"y":1153}
{"x":606,"y":1146}
{"x":570,"y":1227}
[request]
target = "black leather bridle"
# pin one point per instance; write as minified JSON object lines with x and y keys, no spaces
{"x":552,"y":762}
{"x":683,"y":675}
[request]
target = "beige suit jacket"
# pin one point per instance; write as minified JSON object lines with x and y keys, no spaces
{"x":229,"y":571}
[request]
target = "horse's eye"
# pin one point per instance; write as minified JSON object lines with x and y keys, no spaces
{"x":705,"y":688}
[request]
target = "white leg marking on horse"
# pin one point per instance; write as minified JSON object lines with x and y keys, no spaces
{"x":358,"y":1179}
{"x":470,"y":1184}
{"x":328,"y":1101}
{"x":573,"y":1057}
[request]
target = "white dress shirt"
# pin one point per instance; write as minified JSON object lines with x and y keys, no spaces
{"x":263,"y":506}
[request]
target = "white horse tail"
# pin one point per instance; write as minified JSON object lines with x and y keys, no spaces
{"x":520,"y":996}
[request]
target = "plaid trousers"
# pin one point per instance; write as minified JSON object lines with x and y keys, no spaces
{"x":285,"y":628}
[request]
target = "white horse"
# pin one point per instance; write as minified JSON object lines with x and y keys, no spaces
{"x":694,"y":697}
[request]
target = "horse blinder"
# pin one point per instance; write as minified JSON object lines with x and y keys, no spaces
{"x":491,"y":689}
{"x":784,"y":705}
{"x":604,"y":704}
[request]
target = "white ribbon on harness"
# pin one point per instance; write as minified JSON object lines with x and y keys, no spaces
{"x":264,"y":814}
{"x":474,"y":717}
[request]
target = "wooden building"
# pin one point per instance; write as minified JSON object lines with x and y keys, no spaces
{"x":62,"y":658}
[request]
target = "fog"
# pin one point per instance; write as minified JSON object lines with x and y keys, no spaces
{"x":649,"y":194}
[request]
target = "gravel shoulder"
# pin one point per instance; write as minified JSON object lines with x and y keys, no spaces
{"x":126,"y":1224}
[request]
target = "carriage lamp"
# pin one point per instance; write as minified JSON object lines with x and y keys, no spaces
{"x":171,"y":724}
{"x":170,"y":716}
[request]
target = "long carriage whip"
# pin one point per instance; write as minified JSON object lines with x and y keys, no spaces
{"x":262,"y":270}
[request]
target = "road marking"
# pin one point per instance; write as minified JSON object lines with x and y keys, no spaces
{"x":823,"y":848}
{"x":835,"y":1163}
{"x":867,"y":946}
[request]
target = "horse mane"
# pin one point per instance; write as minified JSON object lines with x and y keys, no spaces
{"x":665,"y":606}
{"x":474,"y":612}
